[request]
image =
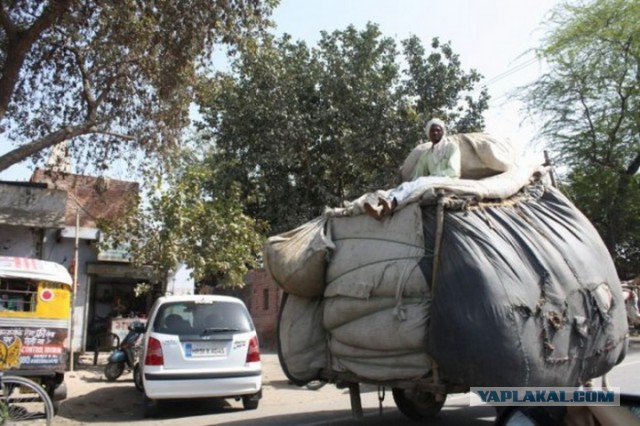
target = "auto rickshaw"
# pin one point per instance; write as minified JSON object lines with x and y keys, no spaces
{"x":35,"y":315}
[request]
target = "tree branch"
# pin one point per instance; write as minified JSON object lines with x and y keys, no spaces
{"x":117,"y":135}
{"x":19,"y":44}
{"x":6,"y":23}
{"x":634,"y":166}
{"x":87,"y":94}
{"x":25,"y":151}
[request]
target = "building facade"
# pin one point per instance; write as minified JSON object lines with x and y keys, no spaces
{"x":55,"y":217}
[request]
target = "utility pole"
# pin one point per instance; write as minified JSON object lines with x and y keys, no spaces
{"x":75,"y":288}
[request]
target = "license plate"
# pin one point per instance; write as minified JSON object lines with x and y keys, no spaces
{"x":203,"y":349}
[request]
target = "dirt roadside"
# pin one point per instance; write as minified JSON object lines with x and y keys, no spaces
{"x":93,"y":400}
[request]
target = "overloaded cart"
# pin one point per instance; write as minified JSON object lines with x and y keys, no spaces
{"x":494,"y":279}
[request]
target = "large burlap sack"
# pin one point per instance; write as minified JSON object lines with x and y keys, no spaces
{"x":377,"y":300}
{"x":425,"y":190}
{"x":526,"y":294}
{"x":481,"y":155}
{"x":379,"y":258}
{"x":302,"y":343}
{"x":379,"y":365}
{"x":387,"y":330}
{"x":297,"y":259}
{"x":340,"y":310}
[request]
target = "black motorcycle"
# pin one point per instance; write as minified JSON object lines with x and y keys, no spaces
{"x":125,"y":356}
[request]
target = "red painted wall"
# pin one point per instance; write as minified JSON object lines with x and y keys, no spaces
{"x":264,"y":306}
{"x":262,"y":296}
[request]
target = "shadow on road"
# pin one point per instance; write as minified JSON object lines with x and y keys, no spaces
{"x":107,"y":404}
{"x":120,"y":404}
{"x":473,"y":416}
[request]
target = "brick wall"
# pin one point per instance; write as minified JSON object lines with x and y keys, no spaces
{"x":262,"y":296}
{"x":264,"y":306}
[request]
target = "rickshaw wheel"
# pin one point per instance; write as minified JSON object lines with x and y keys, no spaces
{"x":417,"y":405}
{"x":24,"y":401}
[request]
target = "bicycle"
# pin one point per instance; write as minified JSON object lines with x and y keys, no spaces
{"x":24,"y":401}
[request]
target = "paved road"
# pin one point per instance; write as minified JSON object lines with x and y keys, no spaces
{"x":94,"y":401}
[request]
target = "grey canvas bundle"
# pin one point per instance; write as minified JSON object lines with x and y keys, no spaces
{"x":524,"y":292}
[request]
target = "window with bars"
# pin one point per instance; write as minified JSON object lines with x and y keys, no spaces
{"x":18,"y":295}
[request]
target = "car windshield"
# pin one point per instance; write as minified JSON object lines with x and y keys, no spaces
{"x":189,"y":317}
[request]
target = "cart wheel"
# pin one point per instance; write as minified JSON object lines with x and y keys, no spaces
{"x":417,"y":405}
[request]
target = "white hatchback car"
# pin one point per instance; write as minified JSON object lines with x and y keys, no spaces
{"x":202,"y":346}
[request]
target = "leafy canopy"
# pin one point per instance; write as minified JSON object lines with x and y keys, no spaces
{"x":109,"y":76}
{"x":300,"y":128}
{"x":590,"y":105}
{"x":189,"y":219}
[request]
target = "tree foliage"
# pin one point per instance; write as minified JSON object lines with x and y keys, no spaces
{"x":108,"y":75}
{"x":590,"y":105}
{"x":190,"y":219}
{"x":301,"y":128}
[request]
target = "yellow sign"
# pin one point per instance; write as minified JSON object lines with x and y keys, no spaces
{"x":10,"y":355}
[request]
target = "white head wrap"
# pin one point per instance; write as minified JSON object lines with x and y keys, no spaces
{"x":439,"y":149}
{"x":438,"y":122}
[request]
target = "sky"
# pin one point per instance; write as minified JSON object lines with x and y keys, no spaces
{"x":494,"y":37}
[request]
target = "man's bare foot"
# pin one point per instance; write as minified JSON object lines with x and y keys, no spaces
{"x":387,"y":206}
{"x":374,"y":212}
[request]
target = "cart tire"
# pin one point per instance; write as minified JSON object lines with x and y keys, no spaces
{"x":417,"y":405}
{"x":113,"y":370}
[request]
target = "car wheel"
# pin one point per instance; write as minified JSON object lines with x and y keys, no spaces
{"x":149,"y":407}
{"x":250,"y":402}
{"x":137,"y":378}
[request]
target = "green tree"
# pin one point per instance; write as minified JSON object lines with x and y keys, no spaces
{"x":590,"y":189}
{"x":109,"y":75}
{"x":441,"y":87}
{"x":192,"y":219}
{"x":303,"y":128}
{"x":590,"y":106}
